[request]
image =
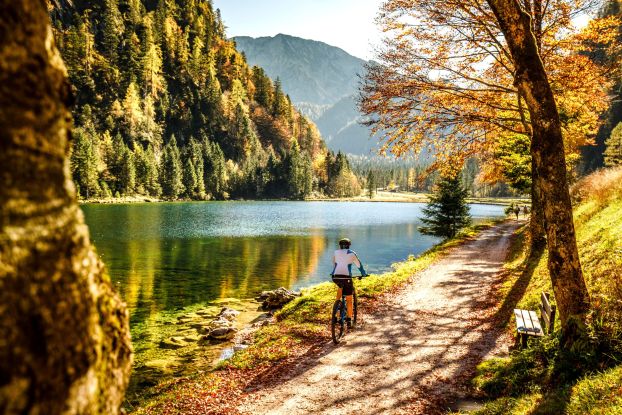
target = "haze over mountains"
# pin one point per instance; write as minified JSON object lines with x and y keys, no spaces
{"x":321,"y":80}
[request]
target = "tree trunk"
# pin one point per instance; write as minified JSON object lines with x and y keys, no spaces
{"x":547,"y":150}
{"x":64,"y":334}
{"x":536,"y":221}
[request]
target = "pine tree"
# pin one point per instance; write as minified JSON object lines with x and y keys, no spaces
{"x":171,"y":171}
{"x":189,"y":178}
{"x":196,"y":156}
{"x":127,"y":176}
{"x":279,"y":105}
{"x":215,"y":170}
{"x":371,"y":184}
{"x":613,"y":150}
{"x":112,"y":31}
{"x":84,"y":163}
{"x":447,"y":212}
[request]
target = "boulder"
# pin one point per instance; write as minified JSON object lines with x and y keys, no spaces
{"x":276,"y":299}
{"x":227,"y":314}
{"x":223,"y":333}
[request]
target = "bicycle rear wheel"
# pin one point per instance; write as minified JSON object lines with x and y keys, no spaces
{"x":337,"y":322}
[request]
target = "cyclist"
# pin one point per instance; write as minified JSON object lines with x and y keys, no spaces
{"x":342,"y":274}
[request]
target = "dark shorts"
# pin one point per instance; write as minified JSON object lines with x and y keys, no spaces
{"x":345,"y":283}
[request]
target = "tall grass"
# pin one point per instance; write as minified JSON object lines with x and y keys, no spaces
{"x":545,"y":379}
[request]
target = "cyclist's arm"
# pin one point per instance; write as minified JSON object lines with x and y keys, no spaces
{"x":358,"y":263}
{"x":334,"y":265}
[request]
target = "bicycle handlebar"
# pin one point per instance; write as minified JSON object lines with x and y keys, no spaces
{"x":349,"y":278}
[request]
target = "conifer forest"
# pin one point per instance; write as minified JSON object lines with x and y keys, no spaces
{"x":165,"y":106}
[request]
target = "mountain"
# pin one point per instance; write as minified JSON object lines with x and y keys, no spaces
{"x":310,"y":71}
{"x":322,"y":81}
{"x":341,"y":128}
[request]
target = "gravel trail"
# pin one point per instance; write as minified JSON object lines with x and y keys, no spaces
{"x":416,"y":354}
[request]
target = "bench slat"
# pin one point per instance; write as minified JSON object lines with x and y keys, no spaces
{"x":527,"y":320}
{"x":536,"y":323}
{"x":520,"y":324}
{"x":546,"y":303}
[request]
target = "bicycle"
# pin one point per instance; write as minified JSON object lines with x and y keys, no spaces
{"x":338,"y":325}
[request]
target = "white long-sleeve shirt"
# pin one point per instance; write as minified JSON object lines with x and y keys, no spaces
{"x":343,"y":260}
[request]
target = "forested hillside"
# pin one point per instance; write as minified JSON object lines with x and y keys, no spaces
{"x":167,"y":107}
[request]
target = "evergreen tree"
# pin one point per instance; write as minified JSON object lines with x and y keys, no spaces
{"x":84,"y":163}
{"x":127,"y":177}
{"x":112,"y":31}
{"x":171,"y":171}
{"x":447,"y":212}
{"x":189,"y":178}
{"x":371,"y":184}
{"x":147,"y":181}
{"x":196,"y":157}
{"x":613,"y":150}
{"x":279,"y":105}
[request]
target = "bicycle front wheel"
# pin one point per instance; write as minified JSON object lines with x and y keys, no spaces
{"x":337,"y":322}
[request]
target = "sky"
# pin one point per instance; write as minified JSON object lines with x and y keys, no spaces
{"x":348,"y":24}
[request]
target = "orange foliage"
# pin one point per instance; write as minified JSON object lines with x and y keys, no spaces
{"x":445,"y":81}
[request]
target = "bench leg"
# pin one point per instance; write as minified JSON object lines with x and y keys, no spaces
{"x":523,"y":340}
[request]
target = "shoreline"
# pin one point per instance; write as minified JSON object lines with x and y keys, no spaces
{"x":386,"y":197}
{"x":299,"y":328}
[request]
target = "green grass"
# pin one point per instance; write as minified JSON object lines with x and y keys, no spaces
{"x":543,"y":379}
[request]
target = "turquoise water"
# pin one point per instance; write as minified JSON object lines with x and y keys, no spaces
{"x":166,"y":256}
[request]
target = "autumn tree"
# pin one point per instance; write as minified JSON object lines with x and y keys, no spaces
{"x":613,"y":147}
{"x":65,"y":345}
{"x":547,"y":150}
{"x":454,"y":76}
{"x":445,"y":81}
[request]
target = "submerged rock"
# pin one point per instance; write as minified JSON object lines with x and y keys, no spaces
{"x":276,"y":299}
{"x":173,"y":343}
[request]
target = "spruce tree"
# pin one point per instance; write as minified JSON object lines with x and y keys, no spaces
{"x":447,"y":212}
{"x":84,"y":163}
{"x":127,"y":177}
{"x":189,"y":178}
{"x":613,"y":150}
{"x":171,"y":171}
{"x":371,"y":184}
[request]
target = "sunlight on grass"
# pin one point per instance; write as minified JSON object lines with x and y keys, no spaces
{"x":543,"y":379}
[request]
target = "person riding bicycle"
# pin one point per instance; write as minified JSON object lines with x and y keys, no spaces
{"x":343,"y":259}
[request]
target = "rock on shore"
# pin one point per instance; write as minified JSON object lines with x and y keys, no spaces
{"x":275,"y":299}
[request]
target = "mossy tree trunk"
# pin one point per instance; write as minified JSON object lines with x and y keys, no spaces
{"x":547,"y":150}
{"x":64,"y":334}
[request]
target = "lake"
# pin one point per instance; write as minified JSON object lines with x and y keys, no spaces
{"x":169,"y":255}
{"x":167,"y":258}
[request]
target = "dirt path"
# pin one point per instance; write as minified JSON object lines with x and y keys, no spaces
{"x":416,"y":355}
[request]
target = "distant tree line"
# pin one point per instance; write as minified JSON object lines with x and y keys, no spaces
{"x":412,"y":175}
{"x":167,"y":107}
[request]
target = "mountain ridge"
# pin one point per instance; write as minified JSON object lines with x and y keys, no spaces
{"x":322,"y":80}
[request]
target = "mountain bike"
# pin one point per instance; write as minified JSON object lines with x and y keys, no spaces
{"x":338,"y":326}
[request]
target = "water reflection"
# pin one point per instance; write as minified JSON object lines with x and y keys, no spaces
{"x":168,"y":256}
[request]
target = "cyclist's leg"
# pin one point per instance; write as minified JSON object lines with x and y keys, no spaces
{"x":350,"y":304}
{"x":339,"y":293}
{"x":348,"y":290}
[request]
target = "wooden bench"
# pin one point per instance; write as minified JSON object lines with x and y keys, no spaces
{"x":528,"y":324}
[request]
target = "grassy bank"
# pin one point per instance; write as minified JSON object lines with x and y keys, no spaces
{"x":300,"y":328}
{"x":543,"y":379}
